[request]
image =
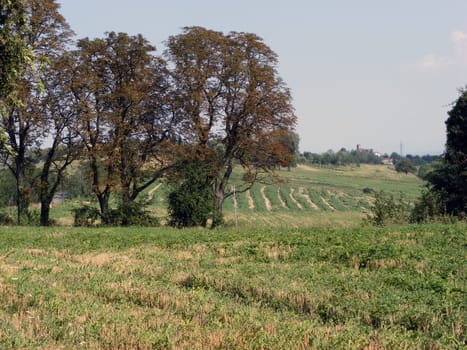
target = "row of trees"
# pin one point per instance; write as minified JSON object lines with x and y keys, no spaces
{"x":341,"y":158}
{"x":131,"y":116}
{"x":405,"y":164}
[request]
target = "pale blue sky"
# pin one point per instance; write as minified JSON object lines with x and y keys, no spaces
{"x":371,"y":72}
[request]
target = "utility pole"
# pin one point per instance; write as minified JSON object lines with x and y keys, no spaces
{"x":235,"y":204}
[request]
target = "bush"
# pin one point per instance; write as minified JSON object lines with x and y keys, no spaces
{"x":191,"y":203}
{"x":85,"y":215}
{"x":429,"y":207}
{"x":368,"y":190}
{"x":405,"y":166}
{"x":132,"y":214}
{"x":190,"y":206}
{"x":388,"y":210}
{"x":6,"y":220}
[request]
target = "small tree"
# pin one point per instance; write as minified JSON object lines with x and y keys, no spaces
{"x":191,"y":203}
{"x":405,"y":166}
{"x":388,"y":210}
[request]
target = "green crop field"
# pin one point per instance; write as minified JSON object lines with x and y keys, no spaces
{"x":160,"y":288}
{"x":300,"y":271}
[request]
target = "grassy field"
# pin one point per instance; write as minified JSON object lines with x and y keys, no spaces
{"x":298,"y":272}
{"x":159,"y":288}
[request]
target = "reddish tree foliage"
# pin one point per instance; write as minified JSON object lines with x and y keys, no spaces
{"x":230,"y":99}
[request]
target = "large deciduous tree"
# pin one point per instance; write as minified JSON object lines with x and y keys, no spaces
{"x":13,"y":53}
{"x":231,"y":100}
{"x":45,"y":35}
{"x":125,"y":124}
{"x":58,"y":109}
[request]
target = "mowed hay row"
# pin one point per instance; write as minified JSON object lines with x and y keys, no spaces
{"x":242,"y":201}
{"x":354,"y":201}
{"x":334,"y":200}
{"x":317,"y":198}
{"x":288,"y":200}
{"x":258,"y":200}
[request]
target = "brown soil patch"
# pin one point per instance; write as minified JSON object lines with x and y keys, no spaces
{"x":267,"y":202}
{"x":251,"y":203}
{"x":306,"y":167}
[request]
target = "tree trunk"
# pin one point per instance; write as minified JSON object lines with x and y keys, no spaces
{"x":45,"y":211}
{"x":102,"y":196}
{"x":22,"y":191}
{"x":217,"y":217}
{"x":104,"y":208}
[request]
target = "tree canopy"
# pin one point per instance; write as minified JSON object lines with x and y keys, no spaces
{"x":213,"y":100}
{"x":449,"y":179}
{"x":230,"y":99}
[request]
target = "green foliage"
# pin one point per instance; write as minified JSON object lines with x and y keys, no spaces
{"x":388,"y":210}
{"x":14,"y":54}
{"x":8,"y":195}
{"x":132,"y":214}
{"x":429,"y":207}
{"x":448,"y":180}
{"x":405,"y":166}
{"x":191,"y":203}
{"x":342,"y":158}
{"x":85,"y":215}
{"x":6,"y":219}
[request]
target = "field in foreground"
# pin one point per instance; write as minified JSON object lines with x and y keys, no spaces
{"x":355,"y":288}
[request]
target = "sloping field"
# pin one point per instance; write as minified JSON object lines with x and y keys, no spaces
{"x":307,"y":196}
{"x":160,"y":288}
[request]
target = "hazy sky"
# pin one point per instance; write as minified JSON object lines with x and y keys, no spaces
{"x":372,"y":72}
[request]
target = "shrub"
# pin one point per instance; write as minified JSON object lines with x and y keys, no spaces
{"x":191,"y":203}
{"x":6,"y":220}
{"x":429,"y":207}
{"x":85,"y":215}
{"x":132,"y":214}
{"x":388,"y":210}
{"x":405,"y":166}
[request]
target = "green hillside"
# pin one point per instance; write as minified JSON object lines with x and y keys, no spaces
{"x":308,"y":196}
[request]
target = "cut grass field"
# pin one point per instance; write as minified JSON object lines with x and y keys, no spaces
{"x":158,"y":288}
